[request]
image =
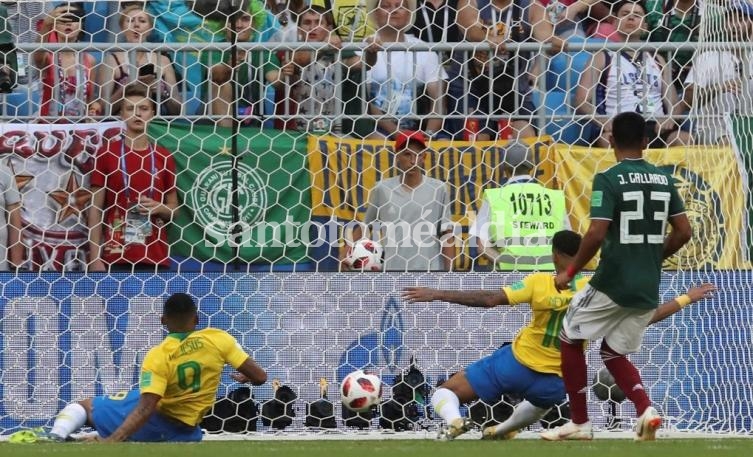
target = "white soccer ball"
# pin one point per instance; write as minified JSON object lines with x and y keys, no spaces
{"x":361,"y":391}
{"x":365,"y":255}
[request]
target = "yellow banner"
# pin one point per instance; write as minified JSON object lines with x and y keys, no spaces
{"x":709,"y":181}
{"x":344,"y":170}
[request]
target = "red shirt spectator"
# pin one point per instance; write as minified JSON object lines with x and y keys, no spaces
{"x":108,"y":174}
{"x":134,"y":194}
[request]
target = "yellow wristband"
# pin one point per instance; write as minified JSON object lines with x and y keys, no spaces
{"x":683,"y":300}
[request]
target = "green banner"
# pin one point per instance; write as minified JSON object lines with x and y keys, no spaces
{"x":273,"y":194}
{"x":742,"y":142}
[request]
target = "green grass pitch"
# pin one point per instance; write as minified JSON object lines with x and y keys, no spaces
{"x":391,"y":448}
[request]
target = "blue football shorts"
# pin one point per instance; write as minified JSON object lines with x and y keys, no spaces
{"x":109,"y":412}
{"x":501,"y":374}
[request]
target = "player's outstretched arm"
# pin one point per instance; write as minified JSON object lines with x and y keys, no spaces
{"x":694,"y":294}
{"x":250,"y":371}
{"x":137,"y":418}
{"x":472,"y":298}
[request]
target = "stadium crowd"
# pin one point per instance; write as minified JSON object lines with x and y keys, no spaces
{"x":446,"y":94}
{"x":373,"y":92}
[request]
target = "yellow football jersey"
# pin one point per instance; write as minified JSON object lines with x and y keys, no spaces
{"x":352,"y":21}
{"x":185,"y":371}
{"x":537,"y":345}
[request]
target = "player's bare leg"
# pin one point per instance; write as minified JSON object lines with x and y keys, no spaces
{"x":629,"y":380}
{"x":446,"y":401}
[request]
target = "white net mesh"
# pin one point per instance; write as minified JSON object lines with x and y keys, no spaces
{"x":274,"y":130}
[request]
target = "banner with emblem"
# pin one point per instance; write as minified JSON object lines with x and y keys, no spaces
{"x":710,"y":181}
{"x":51,"y":165}
{"x":344,"y":170}
{"x":252,"y":208}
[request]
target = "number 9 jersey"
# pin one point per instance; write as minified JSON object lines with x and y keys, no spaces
{"x":639,"y":199}
{"x":185,"y":370}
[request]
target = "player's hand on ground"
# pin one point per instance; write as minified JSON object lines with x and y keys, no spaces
{"x":703,"y":291}
{"x":562,"y":280}
{"x":419,"y":294}
{"x":90,"y":439}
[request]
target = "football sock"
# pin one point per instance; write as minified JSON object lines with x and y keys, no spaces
{"x":522,"y":416}
{"x":70,"y":419}
{"x":626,"y":376}
{"x":574,"y":374}
{"x":446,"y":404}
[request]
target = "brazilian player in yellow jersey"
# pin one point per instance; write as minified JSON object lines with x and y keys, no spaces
{"x":178,"y":384}
{"x":529,"y":368}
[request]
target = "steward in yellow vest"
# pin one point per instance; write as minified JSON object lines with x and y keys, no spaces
{"x":516,"y":222}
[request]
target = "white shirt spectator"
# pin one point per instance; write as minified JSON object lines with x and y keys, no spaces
{"x":712,"y":69}
{"x":394,"y":78}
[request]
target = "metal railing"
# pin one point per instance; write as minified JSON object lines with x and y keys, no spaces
{"x":540,"y":56}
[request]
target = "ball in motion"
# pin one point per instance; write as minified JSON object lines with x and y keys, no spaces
{"x":365,"y":255}
{"x":360,"y":391}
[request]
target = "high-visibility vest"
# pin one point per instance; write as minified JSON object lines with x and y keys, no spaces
{"x":523,"y":219}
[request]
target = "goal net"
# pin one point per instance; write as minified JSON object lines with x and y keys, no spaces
{"x":276,"y":132}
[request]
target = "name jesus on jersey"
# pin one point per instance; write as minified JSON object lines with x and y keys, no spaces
{"x":189,"y":346}
{"x":643,"y":178}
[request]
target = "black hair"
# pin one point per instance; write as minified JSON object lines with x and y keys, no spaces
{"x":629,"y":131}
{"x":179,"y":306}
{"x":567,"y":242}
{"x":617,"y":5}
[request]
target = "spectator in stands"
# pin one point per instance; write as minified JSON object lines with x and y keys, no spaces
{"x":352,"y":24}
{"x":68,"y":87}
{"x":281,"y":102}
{"x":640,"y":82}
{"x":154,"y":69}
{"x":554,"y":21}
{"x":201,"y":21}
{"x":315,"y":90}
{"x":11,"y":249}
{"x":98,"y":14}
{"x":675,"y":21}
{"x":286,"y":12}
{"x":23,"y":19}
{"x":499,"y":84}
{"x":436,"y":22}
{"x":398,"y":79}
{"x":516,"y":222}
{"x":352,"y":20}
{"x":252,"y":72}
{"x":721,"y":81}
{"x":133,"y":193}
{"x":410,"y":213}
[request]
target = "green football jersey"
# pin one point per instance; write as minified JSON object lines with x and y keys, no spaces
{"x":639,"y":199}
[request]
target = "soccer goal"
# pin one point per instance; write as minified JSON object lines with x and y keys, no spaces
{"x":275,"y":131}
